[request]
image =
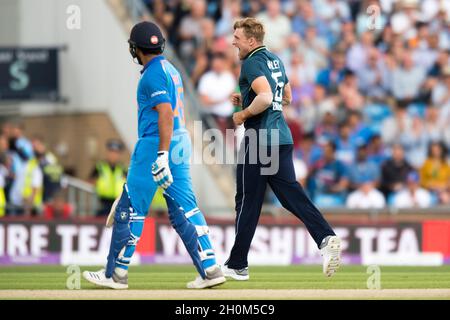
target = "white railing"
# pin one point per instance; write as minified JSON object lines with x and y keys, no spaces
{"x":81,"y":195}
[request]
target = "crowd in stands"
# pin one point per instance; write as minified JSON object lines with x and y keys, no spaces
{"x":370,"y":115}
{"x":30,"y":176}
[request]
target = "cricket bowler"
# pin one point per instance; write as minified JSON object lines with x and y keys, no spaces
{"x":160,"y":158}
{"x":265,"y":89}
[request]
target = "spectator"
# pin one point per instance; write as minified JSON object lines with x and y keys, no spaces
{"x":444,"y":108}
{"x":347,"y":37}
{"x":231,"y":11}
{"x":351,"y":98}
{"x":366,"y":197}
{"x":407,"y":79}
{"x":314,"y":109}
{"x":363,"y":169}
{"x":333,"y":12}
{"x":314,"y":49}
{"x":386,"y":38}
{"x":432,"y":125}
{"x":293,"y":45}
{"x":373,"y":76}
{"x":206,"y":45}
{"x":333,"y":75}
{"x":215,"y":88}
{"x":360,"y":132}
{"x":435,"y":172}
{"x":109,"y":177}
{"x":277,"y":26}
{"x":413,"y":196}
{"x":327,"y":129}
{"x":21,"y":152}
{"x":441,"y":91}
{"x":395,"y":171}
{"x":57,"y":208}
{"x":407,"y":130}
{"x":424,"y":53}
{"x":191,"y":32}
{"x":305,"y":17}
{"x":405,"y":17}
{"x":439,"y":66}
{"x":345,"y":146}
{"x":309,"y":151}
{"x":33,"y":185}
{"x":301,"y":75}
{"x":377,"y":151}
{"x":330,"y":176}
{"x":4,"y":173}
{"x":396,"y":127}
{"x":357,"y":54}
{"x":51,"y":169}
{"x":252,"y":8}
{"x":162,"y":13}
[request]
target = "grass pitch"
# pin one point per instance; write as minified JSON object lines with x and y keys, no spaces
{"x":291,"y":282}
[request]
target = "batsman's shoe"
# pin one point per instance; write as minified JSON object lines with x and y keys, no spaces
{"x":98,"y":278}
{"x":236,"y":274}
{"x":331,"y":253}
{"x":214,"y":277}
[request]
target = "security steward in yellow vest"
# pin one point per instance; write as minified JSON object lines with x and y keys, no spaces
{"x":51,"y":169}
{"x":109,"y":176}
{"x":33,"y":188}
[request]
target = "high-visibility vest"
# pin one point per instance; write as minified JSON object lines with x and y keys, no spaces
{"x":2,"y":202}
{"x":32,"y":164}
{"x":53,"y":170}
{"x":109,"y":183}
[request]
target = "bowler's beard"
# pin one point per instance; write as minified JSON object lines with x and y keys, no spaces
{"x":241,"y":54}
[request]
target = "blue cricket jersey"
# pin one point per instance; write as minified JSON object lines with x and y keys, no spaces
{"x":160,"y":83}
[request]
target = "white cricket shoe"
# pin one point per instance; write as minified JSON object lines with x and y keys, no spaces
{"x":214,"y":277}
{"x":236,"y":274}
{"x":331,"y":253}
{"x":98,"y":278}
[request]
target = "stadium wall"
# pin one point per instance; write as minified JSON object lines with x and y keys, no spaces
{"x":276,"y":242}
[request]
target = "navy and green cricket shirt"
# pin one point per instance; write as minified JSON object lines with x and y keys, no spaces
{"x":261,"y":62}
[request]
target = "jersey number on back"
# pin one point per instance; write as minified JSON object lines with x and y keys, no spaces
{"x":179,"y":108}
{"x":278,"y":98}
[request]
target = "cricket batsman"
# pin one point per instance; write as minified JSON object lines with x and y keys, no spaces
{"x":265,"y":89}
{"x":160,"y":158}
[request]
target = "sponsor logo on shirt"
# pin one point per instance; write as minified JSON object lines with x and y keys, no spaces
{"x":157,"y":93}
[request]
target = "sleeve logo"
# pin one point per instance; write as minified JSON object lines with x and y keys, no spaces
{"x":157,"y":93}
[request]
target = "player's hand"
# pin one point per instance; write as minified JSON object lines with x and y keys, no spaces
{"x":161,"y":171}
{"x":239,"y":117}
{"x":236,"y":99}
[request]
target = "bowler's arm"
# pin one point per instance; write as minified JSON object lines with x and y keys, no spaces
{"x":287,"y":95}
{"x":165,"y":125}
{"x":262,"y":101}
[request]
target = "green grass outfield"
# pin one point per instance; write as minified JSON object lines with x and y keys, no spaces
{"x":170,"y":277}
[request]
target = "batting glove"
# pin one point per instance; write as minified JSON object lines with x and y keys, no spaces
{"x":161,"y":171}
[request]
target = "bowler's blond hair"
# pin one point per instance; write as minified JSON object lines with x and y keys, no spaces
{"x":252,"y":28}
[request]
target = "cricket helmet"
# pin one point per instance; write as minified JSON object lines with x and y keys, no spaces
{"x":146,"y":35}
